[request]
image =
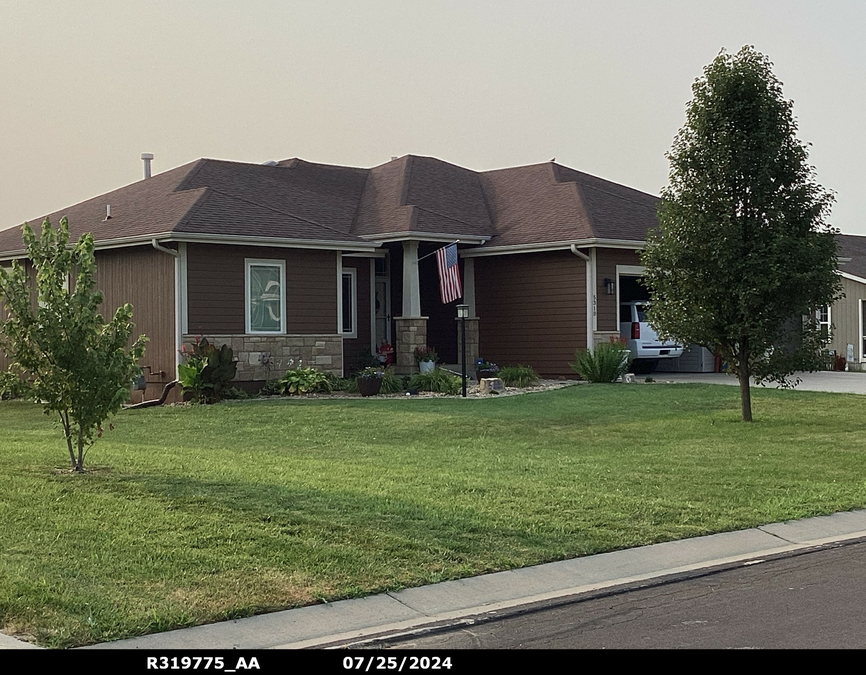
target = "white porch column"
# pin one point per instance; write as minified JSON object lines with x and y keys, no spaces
{"x":411,"y":285}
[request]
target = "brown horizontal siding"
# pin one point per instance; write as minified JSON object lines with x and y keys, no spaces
{"x":215,"y":288}
{"x":532,"y":309}
{"x":353,"y":348}
{"x":606,"y":260}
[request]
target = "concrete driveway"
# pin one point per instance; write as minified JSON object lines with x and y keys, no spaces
{"x":840,"y":383}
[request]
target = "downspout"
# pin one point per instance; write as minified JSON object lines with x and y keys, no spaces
{"x":178,"y":315}
{"x":590,"y":295}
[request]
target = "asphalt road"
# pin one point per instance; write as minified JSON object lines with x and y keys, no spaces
{"x":814,"y":599}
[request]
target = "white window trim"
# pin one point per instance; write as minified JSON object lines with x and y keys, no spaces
{"x":828,"y":323}
{"x":353,"y":273}
{"x":261,"y":262}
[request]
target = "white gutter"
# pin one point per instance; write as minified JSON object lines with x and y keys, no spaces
{"x":414,"y":235}
{"x":590,"y":294}
{"x":552,"y":246}
{"x":178,"y":310}
{"x":276,"y":242}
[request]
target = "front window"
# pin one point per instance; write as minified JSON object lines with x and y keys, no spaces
{"x":266,"y":296}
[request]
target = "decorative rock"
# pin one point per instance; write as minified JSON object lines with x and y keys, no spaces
{"x":491,"y":385}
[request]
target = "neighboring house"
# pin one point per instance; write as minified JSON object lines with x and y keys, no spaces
{"x":845,"y":319}
{"x":297,"y":260}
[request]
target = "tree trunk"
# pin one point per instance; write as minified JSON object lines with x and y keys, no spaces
{"x":80,"y":467}
{"x":64,"y":421}
{"x":743,"y":376}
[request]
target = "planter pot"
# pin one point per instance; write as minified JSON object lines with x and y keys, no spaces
{"x":485,"y":373}
{"x":369,"y":386}
{"x":426,"y":366}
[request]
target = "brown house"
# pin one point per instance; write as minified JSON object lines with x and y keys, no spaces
{"x":296,"y":260}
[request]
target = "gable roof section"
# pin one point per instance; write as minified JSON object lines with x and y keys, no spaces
{"x":416,"y":195}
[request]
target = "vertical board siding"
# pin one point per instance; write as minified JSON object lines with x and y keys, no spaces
{"x":845,"y":319}
{"x":215,"y":288}
{"x":143,"y":277}
{"x":532,"y":309}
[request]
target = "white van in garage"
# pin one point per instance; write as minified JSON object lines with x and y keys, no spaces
{"x":643,"y":341}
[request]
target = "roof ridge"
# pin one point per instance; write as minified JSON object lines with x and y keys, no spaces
{"x":612,"y":194}
{"x":190,"y":212}
{"x":583,"y":206}
{"x":199,"y":163}
{"x":406,"y":179}
{"x":605,"y":180}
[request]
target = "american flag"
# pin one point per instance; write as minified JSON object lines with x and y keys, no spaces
{"x":449,"y":274}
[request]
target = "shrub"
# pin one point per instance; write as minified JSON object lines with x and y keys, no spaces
{"x":11,"y":386}
{"x":437,"y":380}
{"x":391,"y":383}
{"x":299,"y":381}
{"x":208,"y":371}
{"x":607,"y":362}
{"x":518,"y":376}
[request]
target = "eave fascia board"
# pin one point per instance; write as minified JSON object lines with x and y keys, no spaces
{"x":427,"y":236}
{"x":378,"y":253}
{"x":279,"y":242}
{"x":552,"y":246}
{"x":193,"y":238}
{"x":852,"y":277}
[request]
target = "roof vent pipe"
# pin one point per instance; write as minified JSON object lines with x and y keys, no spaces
{"x":108,"y":211}
{"x":146,"y":158}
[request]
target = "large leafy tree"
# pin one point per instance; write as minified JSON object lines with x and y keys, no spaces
{"x":743,"y":255}
{"x":66,"y":356}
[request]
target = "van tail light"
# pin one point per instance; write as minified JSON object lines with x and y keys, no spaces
{"x":635,"y":330}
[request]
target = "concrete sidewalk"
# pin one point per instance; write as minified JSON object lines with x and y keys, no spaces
{"x":451,"y":601}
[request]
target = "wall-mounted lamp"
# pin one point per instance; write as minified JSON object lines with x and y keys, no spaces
{"x":610,"y":286}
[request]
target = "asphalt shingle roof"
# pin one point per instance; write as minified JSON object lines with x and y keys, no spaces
{"x":854,"y":247}
{"x":301,"y":200}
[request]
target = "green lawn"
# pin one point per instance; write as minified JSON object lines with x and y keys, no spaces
{"x":197,"y":514}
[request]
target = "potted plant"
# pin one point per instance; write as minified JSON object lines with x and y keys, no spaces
{"x":485,"y":369}
{"x":426,"y":357}
{"x":369,"y":381}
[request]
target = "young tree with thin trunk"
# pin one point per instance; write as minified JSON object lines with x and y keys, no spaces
{"x":743,"y":256}
{"x":79,"y":367}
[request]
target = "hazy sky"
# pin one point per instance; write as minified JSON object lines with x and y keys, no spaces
{"x":87,"y":86}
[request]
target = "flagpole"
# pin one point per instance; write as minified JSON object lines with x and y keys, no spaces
{"x":438,"y":249}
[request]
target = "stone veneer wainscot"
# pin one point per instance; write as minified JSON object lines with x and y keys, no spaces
{"x":262,"y":357}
